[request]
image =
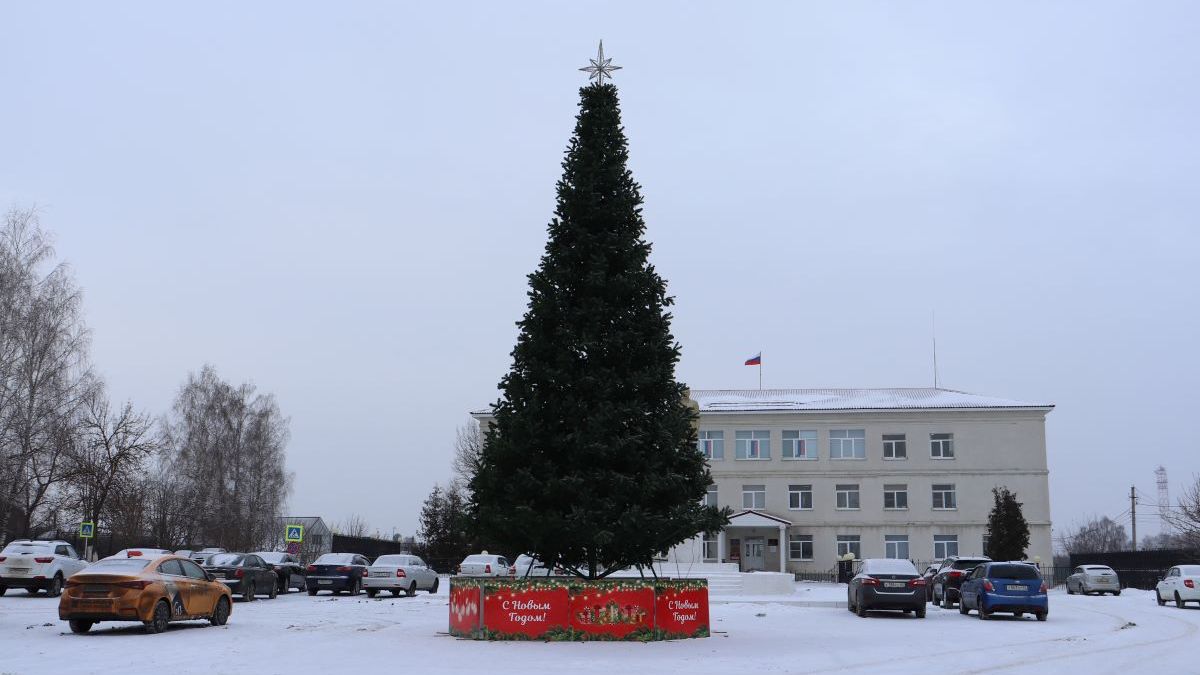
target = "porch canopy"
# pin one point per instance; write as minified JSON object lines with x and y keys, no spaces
{"x":758,"y":519}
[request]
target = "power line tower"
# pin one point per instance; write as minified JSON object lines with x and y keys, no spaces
{"x":1164,"y":498}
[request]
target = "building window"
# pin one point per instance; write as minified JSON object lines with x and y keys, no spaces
{"x":941,"y":446}
{"x":799,"y":445}
{"x":847,"y":496}
{"x":848,"y":444}
{"x":753,"y":444}
{"x":895,"y":497}
{"x":800,"y":547}
{"x":712,"y":444}
{"x":945,"y":545}
{"x":894,"y":446}
{"x":708,"y":545}
{"x":710,"y":499}
{"x":943,"y":496}
{"x":849,"y":543}
{"x":754,"y":496}
{"x":895,"y":546}
{"x":800,"y":497}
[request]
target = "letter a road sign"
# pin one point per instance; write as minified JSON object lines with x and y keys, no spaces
{"x":295,"y":533}
{"x":86,"y":530}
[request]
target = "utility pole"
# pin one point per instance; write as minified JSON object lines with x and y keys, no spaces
{"x":1133,"y":513}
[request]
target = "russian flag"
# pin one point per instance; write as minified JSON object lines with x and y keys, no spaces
{"x":755,"y":360}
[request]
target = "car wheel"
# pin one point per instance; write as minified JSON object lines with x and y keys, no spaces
{"x":303,"y":586}
{"x":397,"y":591}
{"x":946,"y":604}
{"x":983,"y":615}
{"x":1178,"y":600}
{"x":1159,"y":598}
{"x":1070,"y":589}
{"x":371,"y":592}
{"x":220,"y":615}
{"x":1041,"y":616}
{"x":356,"y":588}
{"x":962,"y":607}
{"x":412,"y":589}
{"x":80,"y":626}
{"x":312,"y":591}
{"x":920,"y":612}
{"x":1018,"y":615}
{"x":860,"y":610}
{"x":3,"y":590}
{"x":1116,"y":593}
{"x":55,"y":589}
{"x":33,"y":591}
{"x":248,"y":593}
{"x":937,"y":599}
{"x":285,"y":584}
{"x":274,"y":592}
{"x":434,"y":587}
{"x":162,"y":617}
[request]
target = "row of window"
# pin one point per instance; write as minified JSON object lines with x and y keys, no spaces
{"x":800,"y":546}
{"x":800,"y":444}
{"x":847,"y":497}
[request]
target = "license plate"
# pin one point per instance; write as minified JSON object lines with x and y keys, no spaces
{"x":893,"y":584}
{"x":324,"y":582}
{"x":1016,"y":587}
{"x":93,"y":603}
{"x":18,"y":570}
{"x":380,"y":574}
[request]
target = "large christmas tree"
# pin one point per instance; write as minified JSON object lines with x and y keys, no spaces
{"x":591,"y":462}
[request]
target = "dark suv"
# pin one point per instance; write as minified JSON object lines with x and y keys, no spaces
{"x":950,"y":576}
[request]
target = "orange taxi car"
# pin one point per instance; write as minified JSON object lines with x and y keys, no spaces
{"x":154,"y":590}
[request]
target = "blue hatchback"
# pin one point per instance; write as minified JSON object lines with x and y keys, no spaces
{"x":1005,"y":587}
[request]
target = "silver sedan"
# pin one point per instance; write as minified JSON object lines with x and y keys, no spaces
{"x":1099,"y":579}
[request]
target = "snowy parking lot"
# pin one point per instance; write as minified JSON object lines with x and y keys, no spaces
{"x":801,"y":633}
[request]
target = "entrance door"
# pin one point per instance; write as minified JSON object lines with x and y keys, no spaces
{"x":752,"y":554}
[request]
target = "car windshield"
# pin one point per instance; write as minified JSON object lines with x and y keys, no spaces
{"x":1097,"y":568}
{"x":335,"y":559}
{"x":1013,"y":572}
{"x":273,"y":558}
{"x":225,"y":560}
{"x":27,"y":548}
{"x":966,"y":564}
{"x":118,"y":566}
{"x":392,"y":560}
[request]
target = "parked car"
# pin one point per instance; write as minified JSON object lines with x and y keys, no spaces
{"x":37,"y":564}
{"x":1181,"y":583}
{"x":886,"y":583}
{"x":185,"y":553}
{"x":244,"y":573}
{"x":928,"y":575}
{"x":950,"y":576}
{"x":1093,"y":579}
{"x":287,"y":568}
{"x":155,"y":591}
{"x":484,"y":565}
{"x":199,"y":557}
{"x":140,"y":552}
{"x":527,"y":565}
{"x":400,"y":574}
{"x":1004,"y":587}
{"x":337,"y":572}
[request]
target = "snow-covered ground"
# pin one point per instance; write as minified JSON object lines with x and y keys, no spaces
{"x":801,"y":633}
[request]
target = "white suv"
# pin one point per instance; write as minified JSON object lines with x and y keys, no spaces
{"x":36,"y":564}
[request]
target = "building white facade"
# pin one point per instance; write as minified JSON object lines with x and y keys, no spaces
{"x":812,"y":474}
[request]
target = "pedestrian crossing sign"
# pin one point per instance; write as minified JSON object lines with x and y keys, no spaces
{"x":295,"y":533}
{"x":87,"y":530}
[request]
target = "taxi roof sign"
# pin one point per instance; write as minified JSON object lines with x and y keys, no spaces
{"x":294,"y":534}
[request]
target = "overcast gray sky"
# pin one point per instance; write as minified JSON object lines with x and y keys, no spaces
{"x":341,"y":201}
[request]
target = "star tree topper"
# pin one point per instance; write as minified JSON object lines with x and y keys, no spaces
{"x":601,"y":67}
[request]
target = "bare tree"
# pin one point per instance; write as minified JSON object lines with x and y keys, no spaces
{"x":468,"y":448}
{"x":352,"y":525}
{"x":110,"y":454}
{"x":1184,"y":517}
{"x":1098,"y":535}
{"x":44,"y":373}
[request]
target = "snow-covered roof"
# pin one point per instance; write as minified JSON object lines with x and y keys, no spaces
{"x":923,"y":398}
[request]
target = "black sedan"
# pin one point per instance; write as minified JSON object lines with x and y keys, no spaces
{"x":245,"y":574}
{"x":287,"y":568}
{"x":886,"y":583}
{"x":337,"y":572}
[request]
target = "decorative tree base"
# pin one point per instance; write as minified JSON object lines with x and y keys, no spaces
{"x":559,"y":608}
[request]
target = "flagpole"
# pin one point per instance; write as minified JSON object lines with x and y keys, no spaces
{"x":760,"y":371}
